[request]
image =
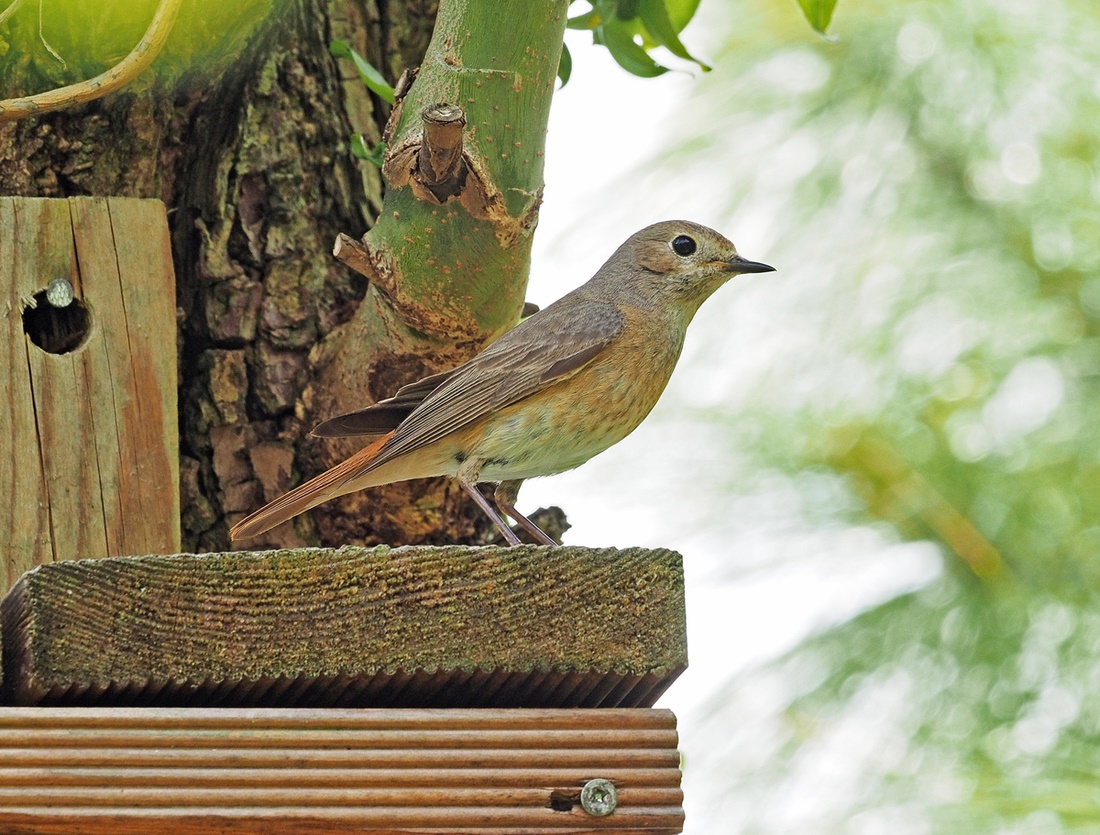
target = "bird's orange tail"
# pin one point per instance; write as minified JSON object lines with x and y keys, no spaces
{"x":328,"y":485}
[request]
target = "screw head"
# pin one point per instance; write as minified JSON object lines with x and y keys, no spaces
{"x":599,"y":798}
{"x":59,"y":292}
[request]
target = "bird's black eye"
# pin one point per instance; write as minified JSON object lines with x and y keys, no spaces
{"x":683,"y":245}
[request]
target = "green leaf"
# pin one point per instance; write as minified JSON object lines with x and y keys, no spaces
{"x":589,"y":20}
{"x":680,"y":12}
{"x":627,"y":10}
{"x":818,"y":12}
{"x":372,"y":155}
{"x":374,"y":80}
{"x":601,"y":10}
{"x":618,"y":37}
{"x":654,"y":15}
{"x":565,"y":65}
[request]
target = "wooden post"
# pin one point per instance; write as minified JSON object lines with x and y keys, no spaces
{"x":89,"y":449}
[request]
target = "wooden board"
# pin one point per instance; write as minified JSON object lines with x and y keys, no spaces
{"x":128,"y":771}
{"x":89,"y":455}
{"x":406,"y":627}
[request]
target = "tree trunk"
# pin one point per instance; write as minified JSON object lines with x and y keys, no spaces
{"x":252,"y":159}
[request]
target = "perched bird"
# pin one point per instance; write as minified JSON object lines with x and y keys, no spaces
{"x":560,"y":387}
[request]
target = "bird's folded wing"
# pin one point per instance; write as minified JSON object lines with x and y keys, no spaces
{"x":385,"y":415}
{"x":543,"y":350}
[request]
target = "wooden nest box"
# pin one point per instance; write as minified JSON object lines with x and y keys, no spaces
{"x":372,"y":690}
{"x":90,"y":449}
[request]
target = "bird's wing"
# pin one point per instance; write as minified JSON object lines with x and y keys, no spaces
{"x":385,"y":415}
{"x":544,"y":349}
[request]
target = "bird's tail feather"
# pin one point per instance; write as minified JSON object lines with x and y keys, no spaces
{"x":327,"y":485}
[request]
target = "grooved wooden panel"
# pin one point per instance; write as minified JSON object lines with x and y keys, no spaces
{"x":376,"y":627}
{"x":89,"y":444}
{"x":119,"y":771}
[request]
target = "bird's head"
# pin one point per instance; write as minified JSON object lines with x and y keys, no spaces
{"x":678,"y":262}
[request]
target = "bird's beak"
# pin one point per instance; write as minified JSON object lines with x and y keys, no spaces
{"x":739,"y":265}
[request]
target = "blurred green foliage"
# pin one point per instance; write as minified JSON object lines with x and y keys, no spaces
{"x":52,"y":43}
{"x":929,"y":187}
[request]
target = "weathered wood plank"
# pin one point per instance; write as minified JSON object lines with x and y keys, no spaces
{"x":371,"y":771}
{"x":103,"y":719}
{"x":24,"y":514}
{"x":91,"y":451}
{"x":408,"y":627}
{"x":165,"y":758}
{"x":131,"y":379}
{"x":68,"y":443}
{"x":304,"y":821}
{"x":146,"y":409}
{"x":197,"y":778}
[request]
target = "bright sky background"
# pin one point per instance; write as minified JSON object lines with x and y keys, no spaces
{"x":605,"y":179}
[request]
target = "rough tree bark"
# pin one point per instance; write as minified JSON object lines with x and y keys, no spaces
{"x":252,"y":160}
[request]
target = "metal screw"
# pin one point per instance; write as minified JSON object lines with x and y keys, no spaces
{"x":599,"y":798}
{"x":59,"y":292}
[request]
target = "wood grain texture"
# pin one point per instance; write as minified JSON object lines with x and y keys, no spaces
{"x":131,"y":378}
{"x":118,"y":770}
{"x":24,"y":515}
{"x":404,"y":627}
{"x":90,"y":450}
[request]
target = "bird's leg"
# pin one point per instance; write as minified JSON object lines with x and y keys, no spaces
{"x":505,"y":496}
{"x":471,"y":490}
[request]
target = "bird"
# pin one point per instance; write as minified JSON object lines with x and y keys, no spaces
{"x":562,"y":386}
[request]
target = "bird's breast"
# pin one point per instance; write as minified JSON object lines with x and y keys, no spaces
{"x":569,"y":422}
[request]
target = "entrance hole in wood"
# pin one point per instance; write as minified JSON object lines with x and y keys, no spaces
{"x":56,"y":330}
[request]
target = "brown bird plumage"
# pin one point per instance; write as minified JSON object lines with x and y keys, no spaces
{"x":560,"y":387}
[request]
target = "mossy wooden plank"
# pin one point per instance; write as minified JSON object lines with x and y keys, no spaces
{"x":196,"y":770}
{"x":91,"y":448}
{"x":406,"y":627}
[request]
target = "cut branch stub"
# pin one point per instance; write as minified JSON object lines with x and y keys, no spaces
{"x":440,"y":158}
{"x":436,"y":165}
{"x":361,"y":258}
